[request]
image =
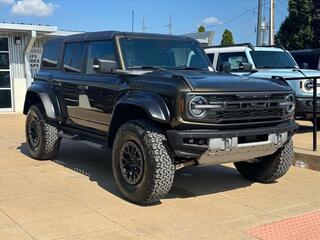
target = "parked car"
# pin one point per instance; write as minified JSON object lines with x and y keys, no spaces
{"x":308,"y":58}
{"x":268,"y":62}
{"x":154,"y":100}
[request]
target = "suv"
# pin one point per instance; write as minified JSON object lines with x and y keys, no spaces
{"x":154,"y":100}
{"x":268,"y":62}
{"x":307,"y":58}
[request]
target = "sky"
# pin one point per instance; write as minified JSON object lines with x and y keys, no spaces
{"x":239,"y":16}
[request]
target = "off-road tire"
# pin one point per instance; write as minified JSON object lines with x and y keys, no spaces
{"x":269,"y":168}
{"x":158,"y":172}
{"x":49,"y":141}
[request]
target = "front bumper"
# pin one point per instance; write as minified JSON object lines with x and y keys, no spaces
{"x":229,"y":146}
{"x":304,"y":107}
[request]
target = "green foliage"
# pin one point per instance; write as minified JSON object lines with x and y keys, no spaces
{"x":201,"y":29}
{"x":300,"y":30}
{"x":227,"y":38}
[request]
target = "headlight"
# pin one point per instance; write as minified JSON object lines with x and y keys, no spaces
{"x":289,"y":104}
{"x":308,"y":84}
{"x":197,"y":106}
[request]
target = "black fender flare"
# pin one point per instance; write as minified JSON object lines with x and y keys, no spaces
{"x":48,"y":98}
{"x":154,"y":105}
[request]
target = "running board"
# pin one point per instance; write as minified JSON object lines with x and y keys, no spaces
{"x":82,"y":139}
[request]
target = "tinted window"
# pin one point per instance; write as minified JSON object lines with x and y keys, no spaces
{"x":272,"y":59}
{"x":99,"y":50}
{"x":51,"y":55}
{"x":233,"y":58}
{"x":72,"y":61}
{"x":211,"y":57}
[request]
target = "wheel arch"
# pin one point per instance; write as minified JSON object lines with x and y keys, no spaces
{"x":132,"y":106}
{"x":42,"y":93}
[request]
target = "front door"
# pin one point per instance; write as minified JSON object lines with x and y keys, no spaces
{"x":5,"y":79}
{"x":97,"y":96}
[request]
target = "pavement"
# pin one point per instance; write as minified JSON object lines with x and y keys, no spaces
{"x":74,"y":197}
{"x":303,"y":146}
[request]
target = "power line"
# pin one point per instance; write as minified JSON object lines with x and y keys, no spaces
{"x":233,"y":19}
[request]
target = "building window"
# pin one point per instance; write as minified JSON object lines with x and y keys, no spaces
{"x":4,"y":44}
{"x":72,"y":61}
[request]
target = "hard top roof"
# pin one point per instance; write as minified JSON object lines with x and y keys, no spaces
{"x":105,"y":35}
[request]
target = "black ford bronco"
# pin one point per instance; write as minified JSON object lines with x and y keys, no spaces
{"x":155,"y":101}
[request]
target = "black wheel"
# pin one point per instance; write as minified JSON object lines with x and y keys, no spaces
{"x":41,"y":134}
{"x":142,"y":167}
{"x":269,"y":168}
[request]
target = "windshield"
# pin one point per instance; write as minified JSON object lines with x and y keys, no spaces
{"x":272,"y":59}
{"x":145,"y":53}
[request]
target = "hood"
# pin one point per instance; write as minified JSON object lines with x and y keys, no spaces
{"x":203,"y":81}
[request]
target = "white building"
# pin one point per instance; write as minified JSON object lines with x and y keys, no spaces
{"x":20,"y":54}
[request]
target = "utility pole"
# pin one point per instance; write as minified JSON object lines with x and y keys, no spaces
{"x":144,"y":28}
{"x":271,"y":19}
{"x":170,"y":24}
{"x":132,"y":21}
{"x":259,"y":23}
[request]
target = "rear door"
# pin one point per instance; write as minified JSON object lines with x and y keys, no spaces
{"x":97,"y":96}
{"x":68,"y":82}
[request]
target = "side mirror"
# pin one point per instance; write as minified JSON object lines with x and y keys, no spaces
{"x":104,"y":66}
{"x":305,"y":65}
{"x":246,"y":67}
{"x":226,"y":67}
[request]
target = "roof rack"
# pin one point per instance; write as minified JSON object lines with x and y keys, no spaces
{"x":235,"y":45}
{"x":248,"y":45}
{"x":275,"y":46}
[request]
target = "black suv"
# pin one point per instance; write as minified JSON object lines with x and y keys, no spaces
{"x":155,"y":101}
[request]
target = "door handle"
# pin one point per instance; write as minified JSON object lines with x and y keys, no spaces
{"x":83,"y":87}
{"x":56,"y":84}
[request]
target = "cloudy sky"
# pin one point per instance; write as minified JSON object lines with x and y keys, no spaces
{"x":239,"y":16}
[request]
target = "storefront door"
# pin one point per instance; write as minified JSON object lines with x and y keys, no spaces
{"x":5,"y":80}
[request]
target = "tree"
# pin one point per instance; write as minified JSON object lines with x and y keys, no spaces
{"x":227,"y":38}
{"x":201,"y":29}
{"x":300,"y":29}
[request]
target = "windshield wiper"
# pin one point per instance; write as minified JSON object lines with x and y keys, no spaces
{"x":147,"y":67}
{"x":183,"y":67}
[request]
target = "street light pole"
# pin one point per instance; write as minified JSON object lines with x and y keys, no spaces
{"x":259,"y":23}
{"x":271,"y":27}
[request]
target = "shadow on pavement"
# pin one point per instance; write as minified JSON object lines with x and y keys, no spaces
{"x":189,"y":182}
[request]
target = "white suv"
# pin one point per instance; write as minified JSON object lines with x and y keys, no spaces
{"x":268,"y":62}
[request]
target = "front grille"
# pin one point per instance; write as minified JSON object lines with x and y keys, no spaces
{"x":249,"y":107}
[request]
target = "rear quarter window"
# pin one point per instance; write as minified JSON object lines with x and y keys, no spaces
{"x":51,"y":55}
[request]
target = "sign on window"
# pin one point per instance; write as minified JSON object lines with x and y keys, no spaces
{"x":35,"y":60}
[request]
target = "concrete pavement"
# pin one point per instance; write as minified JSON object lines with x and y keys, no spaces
{"x":74,"y":197}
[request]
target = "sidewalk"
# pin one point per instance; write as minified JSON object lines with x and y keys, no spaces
{"x":303,"y":146}
{"x":74,"y":197}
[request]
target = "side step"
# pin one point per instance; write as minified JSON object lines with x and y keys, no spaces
{"x":90,"y":142}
